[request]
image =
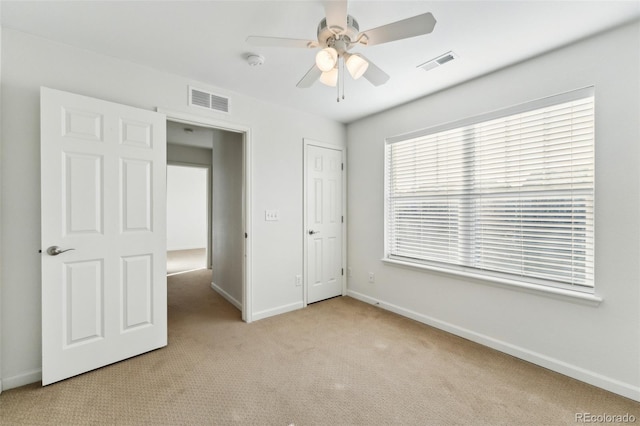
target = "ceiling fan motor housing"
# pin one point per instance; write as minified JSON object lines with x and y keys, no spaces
{"x":326,"y":36}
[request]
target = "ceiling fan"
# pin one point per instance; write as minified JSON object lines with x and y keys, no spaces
{"x":337,"y":34}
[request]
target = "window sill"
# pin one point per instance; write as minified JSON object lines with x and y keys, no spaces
{"x":558,"y":293}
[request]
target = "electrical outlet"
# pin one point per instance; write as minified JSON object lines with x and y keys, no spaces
{"x":298,"y":280}
{"x":271,"y":215}
{"x":372,"y":277}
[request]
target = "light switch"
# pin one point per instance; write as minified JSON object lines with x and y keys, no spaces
{"x":271,"y":215}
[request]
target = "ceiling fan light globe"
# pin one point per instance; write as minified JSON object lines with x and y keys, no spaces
{"x":330,"y":78}
{"x":357,"y":66}
{"x":326,"y":59}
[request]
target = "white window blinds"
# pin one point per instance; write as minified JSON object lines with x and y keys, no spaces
{"x":510,"y":193}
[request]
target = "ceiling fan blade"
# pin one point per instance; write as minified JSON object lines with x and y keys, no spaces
{"x":310,"y":77}
{"x":336,"y":12}
{"x":375,"y":75}
{"x":281,"y":42}
{"x":410,"y":27}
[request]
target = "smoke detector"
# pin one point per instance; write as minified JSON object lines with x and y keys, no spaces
{"x":255,"y":60}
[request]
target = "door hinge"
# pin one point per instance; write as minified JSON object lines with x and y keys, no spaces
{"x":342,"y":271}
{"x":341,"y":166}
{"x":246,"y":235}
{"x":342,"y":219}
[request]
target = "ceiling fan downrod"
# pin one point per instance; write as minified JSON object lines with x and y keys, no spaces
{"x":343,"y":79}
{"x":338,"y":82}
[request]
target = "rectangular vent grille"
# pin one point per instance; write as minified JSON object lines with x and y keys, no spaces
{"x":444,"y":59}
{"x":436,"y":62}
{"x":219,"y":103}
{"x":204,"y":99}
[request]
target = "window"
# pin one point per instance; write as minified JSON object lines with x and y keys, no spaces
{"x":509,"y":194}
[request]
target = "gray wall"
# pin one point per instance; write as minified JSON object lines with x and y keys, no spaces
{"x":188,"y":154}
{"x":597,"y":344}
{"x":228,"y":228}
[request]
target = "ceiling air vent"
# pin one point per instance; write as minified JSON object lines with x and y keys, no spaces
{"x":436,"y":62}
{"x":208,"y":100}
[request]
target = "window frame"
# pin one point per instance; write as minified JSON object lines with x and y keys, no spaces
{"x":584,"y":293}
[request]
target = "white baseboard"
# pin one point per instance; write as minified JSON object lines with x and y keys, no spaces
{"x":21,"y":379}
{"x":276,"y":311}
{"x":226,"y":295}
{"x":625,"y":389}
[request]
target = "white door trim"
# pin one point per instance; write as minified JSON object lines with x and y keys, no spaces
{"x":310,"y":142}
{"x":198,"y":120}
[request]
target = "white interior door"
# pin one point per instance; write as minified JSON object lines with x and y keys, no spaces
{"x":103,"y":168}
{"x":324,"y":223}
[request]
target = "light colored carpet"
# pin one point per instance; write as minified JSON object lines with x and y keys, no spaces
{"x":338,"y":362}
{"x":179,"y":261}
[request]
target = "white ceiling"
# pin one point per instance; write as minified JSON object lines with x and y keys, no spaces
{"x":205,"y":41}
{"x":186,"y":134}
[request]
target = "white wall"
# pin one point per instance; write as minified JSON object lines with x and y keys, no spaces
{"x":186,"y":207}
{"x":277,"y":133}
{"x":189,"y":154}
{"x":178,"y":153}
{"x":1,"y":320}
{"x":600,"y":345}
{"x":228,"y":228}
{"x":195,"y":136}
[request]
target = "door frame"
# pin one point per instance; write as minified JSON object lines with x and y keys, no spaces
{"x":305,"y":266}
{"x":198,"y":120}
{"x":209,"y":202}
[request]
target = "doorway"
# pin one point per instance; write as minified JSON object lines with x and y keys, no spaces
{"x":188,"y":217}
{"x":228,"y":154}
{"x":324,"y":219}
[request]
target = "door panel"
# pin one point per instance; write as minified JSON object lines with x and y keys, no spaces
{"x":324,"y":222}
{"x":82,"y":124}
{"x":83,"y":304}
{"x":103,"y":169}
{"x":135,"y":133}
{"x":137,"y":291}
{"x":82,"y":182}
{"x":136,"y":181}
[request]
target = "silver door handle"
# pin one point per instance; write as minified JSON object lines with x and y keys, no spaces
{"x":311,"y":232}
{"x":55,"y":250}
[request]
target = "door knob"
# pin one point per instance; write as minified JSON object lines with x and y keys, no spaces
{"x":311,"y":232}
{"x":55,"y":250}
